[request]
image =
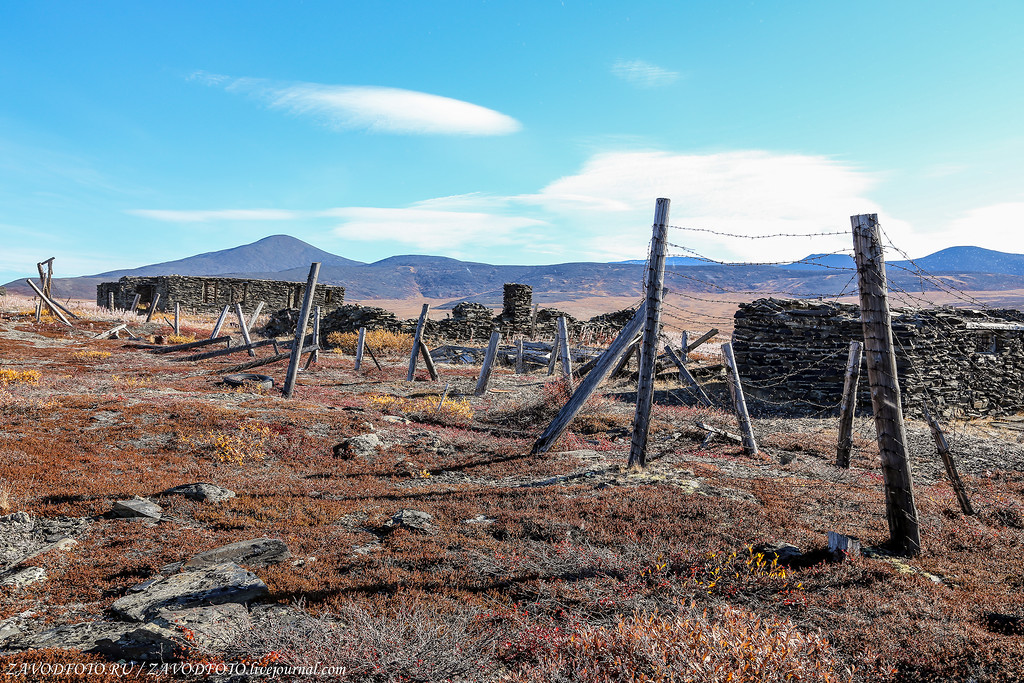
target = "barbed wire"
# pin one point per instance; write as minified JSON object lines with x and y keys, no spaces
{"x":691,"y":253}
{"x":758,"y":237}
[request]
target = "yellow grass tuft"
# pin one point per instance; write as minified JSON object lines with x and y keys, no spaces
{"x":19,"y":376}
{"x":381,"y":341}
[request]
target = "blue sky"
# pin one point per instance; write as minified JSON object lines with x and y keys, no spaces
{"x":528,"y":132}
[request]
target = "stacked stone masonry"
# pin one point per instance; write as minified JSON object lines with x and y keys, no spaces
{"x":962,"y":361}
{"x":196,"y":293}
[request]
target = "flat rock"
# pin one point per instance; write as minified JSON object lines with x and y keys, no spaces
{"x":358,"y":446}
{"x":201,"y":491}
{"x":20,"y":578}
{"x":146,"y":642}
{"x":212,"y":628}
{"x":415,"y":520}
{"x":136,"y":508}
{"x":214,"y":585}
{"x":258,"y":552}
{"x":22,"y":537}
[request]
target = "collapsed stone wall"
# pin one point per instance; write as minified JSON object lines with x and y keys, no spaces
{"x":963,"y":361}
{"x":200,"y":293}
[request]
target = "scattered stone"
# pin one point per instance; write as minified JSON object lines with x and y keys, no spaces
{"x":782,"y":553}
{"x":212,"y":627}
{"x":21,"y":578}
{"x":201,"y":491}
{"x":398,"y":419}
{"x":414,"y":520}
{"x":136,"y":508}
{"x":213,"y":585}
{"x":480,"y":519}
{"x":259,"y":552}
{"x":145,"y":642}
{"x":357,"y":446}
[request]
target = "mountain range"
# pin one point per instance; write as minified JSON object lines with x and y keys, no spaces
{"x":281,"y":257}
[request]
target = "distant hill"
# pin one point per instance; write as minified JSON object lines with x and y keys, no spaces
{"x":422,"y":276}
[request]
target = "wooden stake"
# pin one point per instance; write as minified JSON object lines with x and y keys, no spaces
{"x":315,"y":356}
{"x":444,"y":395}
{"x":649,"y":343}
{"x":220,"y":322}
{"x":563,"y":345}
{"x":245,"y":329}
{"x":849,"y":405}
{"x":152,"y":307}
{"x":533,"y":323}
{"x":684,"y":354}
{"x":300,"y":330}
{"x":739,"y":402}
{"x":589,"y":385}
{"x":900,"y":509}
{"x":520,"y":365}
{"x":177,"y":318}
{"x":428,"y":361}
{"x":50,"y":304}
{"x":110,"y":300}
{"x":256,"y":314}
{"x":39,"y":310}
{"x":556,"y":346}
{"x":687,"y":378}
{"x":359,"y":347}
{"x":942,"y":445}
{"x":485,"y":371}
{"x":416,"y":340}
{"x":369,"y":350}
{"x":135,"y":304}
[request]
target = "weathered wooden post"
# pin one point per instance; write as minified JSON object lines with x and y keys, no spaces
{"x":177,"y":318}
{"x":623,"y":363}
{"x":39,"y":310}
{"x":300,"y":330}
{"x":135,"y":304}
{"x":152,"y":307}
{"x":44,"y":282}
{"x":428,"y":361}
{"x":315,"y":356}
{"x":52,"y":305}
{"x":245,"y":329}
{"x":485,"y":370}
{"x":900,"y":509}
{"x":220,"y":322}
{"x":533,"y":323}
{"x":649,"y":343}
{"x":110,"y":300}
{"x":739,"y":402}
{"x":849,"y":405}
{"x":416,"y":340}
{"x":556,"y":346}
{"x":563,"y":344}
{"x":684,"y":353}
{"x":589,"y":385}
{"x":359,"y":347}
{"x":687,"y":378}
{"x":256,"y":314}
{"x":947,"y":460}
{"x":520,"y":365}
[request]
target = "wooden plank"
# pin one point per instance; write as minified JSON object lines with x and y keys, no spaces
{"x":648,"y":345}
{"x":220,"y":322}
{"x":359,"y":347}
{"x":589,"y":385}
{"x":739,"y":402}
{"x":848,"y":407}
{"x":942,"y":445}
{"x":485,"y":371}
{"x":190,"y":345}
{"x":300,"y":330}
{"x":715,"y":431}
{"x":876,"y":320}
{"x":52,"y":306}
{"x":687,"y":378}
{"x":416,"y":341}
{"x":244,"y":329}
{"x":152,"y":307}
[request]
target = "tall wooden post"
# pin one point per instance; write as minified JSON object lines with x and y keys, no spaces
{"x":245,"y":329}
{"x":485,"y":371}
{"x":849,"y":405}
{"x":359,"y":347}
{"x":220,"y":322}
{"x":942,"y":445}
{"x":110,"y":300}
{"x":416,"y":341}
{"x":739,"y":402}
{"x":563,"y":344}
{"x":300,"y":331}
{"x":177,"y":318}
{"x":256,"y":314}
{"x":649,"y":344}
{"x":315,"y":356}
{"x":152,"y":307}
{"x":900,"y":509}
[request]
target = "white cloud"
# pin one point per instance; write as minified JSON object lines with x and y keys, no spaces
{"x":374,"y":108}
{"x":430,"y":228}
{"x":643,"y":74}
{"x":200,"y":216}
{"x":999,"y":227}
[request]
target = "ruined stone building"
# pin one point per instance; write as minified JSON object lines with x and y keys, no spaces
{"x":196,"y":293}
{"x":962,"y":361}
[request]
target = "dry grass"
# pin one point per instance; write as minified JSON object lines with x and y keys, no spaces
{"x":382,"y":342}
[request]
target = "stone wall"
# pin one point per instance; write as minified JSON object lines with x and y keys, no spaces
{"x":196,"y":293}
{"x":965,"y":361}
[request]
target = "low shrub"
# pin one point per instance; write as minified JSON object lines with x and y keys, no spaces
{"x":19,"y":376}
{"x":455,"y":411}
{"x":382,"y":342}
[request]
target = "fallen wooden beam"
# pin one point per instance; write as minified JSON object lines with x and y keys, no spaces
{"x":703,"y":338}
{"x":224,"y":352}
{"x":720,"y":432}
{"x":685,"y":375}
{"x":261,"y":361}
{"x":190,"y":345}
{"x":112,"y":330}
{"x":53,"y":307}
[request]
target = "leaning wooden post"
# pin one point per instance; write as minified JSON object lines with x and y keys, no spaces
{"x":428,"y":362}
{"x":849,"y":405}
{"x":485,"y":370}
{"x":520,"y":365}
{"x":220,"y":322}
{"x":686,"y":377}
{"x":152,"y":307}
{"x":947,"y":460}
{"x":900,"y":509}
{"x":52,"y":305}
{"x":416,"y":340}
{"x":39,"y":310}
{"x":359,"y":347}
{"x":177,"y":318}
{"x":563,"y":344}
{"x":684,"y":355}
{"x":256,"y":314}
{"x":556,"y":346}
{"x":300,"y":331}
{"x":624,"y":361}
{"x":245,"y":329}
{"x":315,"y":356}
{"x":649,"y":343}
{"x":588,"y":386}
{"x":135,"y":304}
{"x":739,"y":402}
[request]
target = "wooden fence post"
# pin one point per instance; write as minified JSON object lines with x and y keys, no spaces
{"x":359,"y":348}
{"x":177,"y":318}
{"x":428,"y":361}
{"x":135,"y":304}
{"x":220,"y":322}
{"x":649,"y":343}
{"x":39,"y":310}
{"x":740,"y":403}
{"x":245,"y":329}
{"x":485,"y":370}
{"x":687,"y":378}
{"x":256,"y":314}
{"x":849,"y":405}
{"x":416,"y":340}
{"x":49,"y":303}
{"x":900,"y":509}
{"x":563,"y":344}
{"x":556,"y":346}
{"x":300,"y":330}
{"x":947,"y":460}
{"x":110,"y":300}
{"x":520,"y":365}
{"x":533,"y":324}
{"x":684,"y":355}
{"x":152,"y":307}
{"x":315,"y":356}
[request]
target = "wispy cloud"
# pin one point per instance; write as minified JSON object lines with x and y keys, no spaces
{"x":431,"y":229}
{"x":200,"y":216}
{"x":643,"y":74}
{"x":372,"y":108}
